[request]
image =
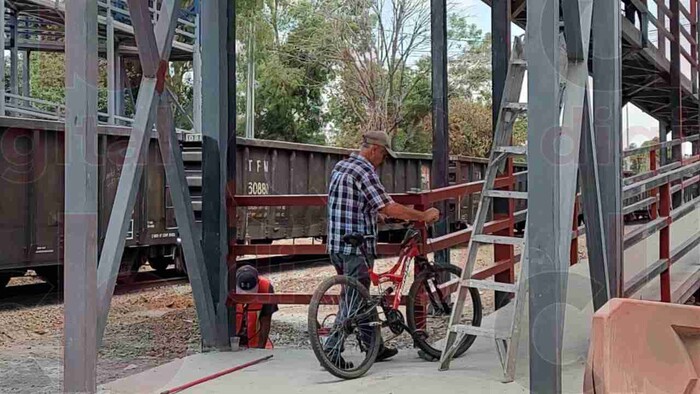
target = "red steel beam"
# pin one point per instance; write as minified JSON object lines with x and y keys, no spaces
{"x":495,"y":269}
{"x":463,"y":236}
{"x":286,"y":299}
{"x":665,"y":242}
{"x":241,"y":250}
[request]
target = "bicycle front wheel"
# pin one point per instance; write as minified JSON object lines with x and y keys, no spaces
{"x":429,"y":308}
{"x":344,"y":327}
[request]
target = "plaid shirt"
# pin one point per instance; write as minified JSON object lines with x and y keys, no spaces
{"x":355,"y":195}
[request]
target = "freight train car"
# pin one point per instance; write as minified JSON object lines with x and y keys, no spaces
{"x":275,"y":167}
{"x":32,"y":180}
{"x":31,"y":210}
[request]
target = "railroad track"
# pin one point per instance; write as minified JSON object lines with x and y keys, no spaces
{"x":36,"y":294}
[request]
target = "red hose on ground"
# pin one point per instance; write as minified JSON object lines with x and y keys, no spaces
{"x":214,"y":376}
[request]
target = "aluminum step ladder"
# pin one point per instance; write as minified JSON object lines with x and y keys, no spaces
{"x":506,"y":339}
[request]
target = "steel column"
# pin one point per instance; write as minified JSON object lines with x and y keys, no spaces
{"x":26,"y":76}
{"x":121,"y":84}
{"x":542,"y":38}
{"x":231,"y":154}
{"x":155,"y":44}
{"x":2,"y":59}
{"x":215,"y":121}
{"x":500,"y":55}
{"x":80,"y":220}
{"x":607,"y":107}
{"x":14,"y":55}
{"x":441,"y":148}
{"x":546,"y":208}
{"x":111,"y":66}
{"x":197,"y":72}
{"x":676,"y":90}
{"x":663,"y":137}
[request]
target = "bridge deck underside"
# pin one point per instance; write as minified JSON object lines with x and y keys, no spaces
{"x":646,"y":79}
{"x":41,"y":28}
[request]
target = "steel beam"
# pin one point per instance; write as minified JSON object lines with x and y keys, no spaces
{"x":215,"y":116}
{"x":593,"y":215}
{"x":151,"y":88}
{"x":544,"y":279}
{"x":80,"y":220}
{"x":441,"y":148}
{"x":607,"y":107}
{"x":184,"y":216}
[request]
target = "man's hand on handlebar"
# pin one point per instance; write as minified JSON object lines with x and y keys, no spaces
{"x":402,"y":212}
{"x":431,"y":215}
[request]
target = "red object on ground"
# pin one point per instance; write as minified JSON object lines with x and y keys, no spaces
{"x":214,"y":376}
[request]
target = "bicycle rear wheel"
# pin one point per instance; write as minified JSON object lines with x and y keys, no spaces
{"x":427,"y":312}
{"x":344,"y":327}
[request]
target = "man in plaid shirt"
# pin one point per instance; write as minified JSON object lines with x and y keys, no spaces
{"x":356,"y":197}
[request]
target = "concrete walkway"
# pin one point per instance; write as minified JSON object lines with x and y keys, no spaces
{"x":478,"y":371}
{"x":298,"y":371}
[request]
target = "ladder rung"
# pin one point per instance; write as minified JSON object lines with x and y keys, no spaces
{"x":194,"y":180}
{"x":505,"y":194}
{"x":480,"y":331}
{"x":516,"y":106}
{"x":512,"y":150}
{"x":192,"y":156}
{"x":495,"y":239}
{"x":490,"y":285}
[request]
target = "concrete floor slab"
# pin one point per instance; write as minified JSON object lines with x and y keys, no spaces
{"x":298,"y":371}
{"x":478,"y":371}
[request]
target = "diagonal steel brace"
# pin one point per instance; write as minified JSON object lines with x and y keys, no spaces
{"x":155,"y":67}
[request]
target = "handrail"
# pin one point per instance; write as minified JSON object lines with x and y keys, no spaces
{"x":659,"y":145}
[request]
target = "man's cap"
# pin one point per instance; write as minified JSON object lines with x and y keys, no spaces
{"x":246,"y":279}
{"x":380,"y":138}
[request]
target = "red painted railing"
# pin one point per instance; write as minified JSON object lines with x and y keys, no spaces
{"x":503,"y":265}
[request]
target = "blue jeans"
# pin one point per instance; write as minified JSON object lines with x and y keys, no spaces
{"x":352,"y":266}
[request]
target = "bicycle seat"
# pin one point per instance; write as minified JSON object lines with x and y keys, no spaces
{"x":356,"y":239}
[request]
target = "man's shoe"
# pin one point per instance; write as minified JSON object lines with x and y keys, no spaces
{"x":386,"y":353}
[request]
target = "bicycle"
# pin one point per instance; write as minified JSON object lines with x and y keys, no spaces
{"x":342,"y":309}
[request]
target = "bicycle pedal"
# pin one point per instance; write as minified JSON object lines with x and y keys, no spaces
{"x":375,"y":324}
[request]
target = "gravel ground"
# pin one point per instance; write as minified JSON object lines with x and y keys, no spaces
{"x":155,"y":326}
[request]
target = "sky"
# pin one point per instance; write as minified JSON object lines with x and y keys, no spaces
{"x":638,"y":125}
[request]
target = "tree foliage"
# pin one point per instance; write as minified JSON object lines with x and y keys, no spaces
{"x":328,"y":70}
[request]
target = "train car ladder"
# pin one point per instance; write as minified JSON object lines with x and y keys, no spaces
{"x":507,"y":337}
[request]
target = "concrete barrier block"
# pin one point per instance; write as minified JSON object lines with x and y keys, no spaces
{"x":644,"y":347}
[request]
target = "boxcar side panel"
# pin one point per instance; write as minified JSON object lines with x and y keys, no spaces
{"x":15,"y":176}
{"x":46,"y":198}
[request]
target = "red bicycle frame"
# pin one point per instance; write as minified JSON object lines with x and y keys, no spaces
{"x":397,"y":274}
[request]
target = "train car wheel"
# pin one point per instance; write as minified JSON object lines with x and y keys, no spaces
{"x":160,"y":264}
{"x":4,"y":280}
{"x":52,"y":275}
{"x":180,"y":265}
